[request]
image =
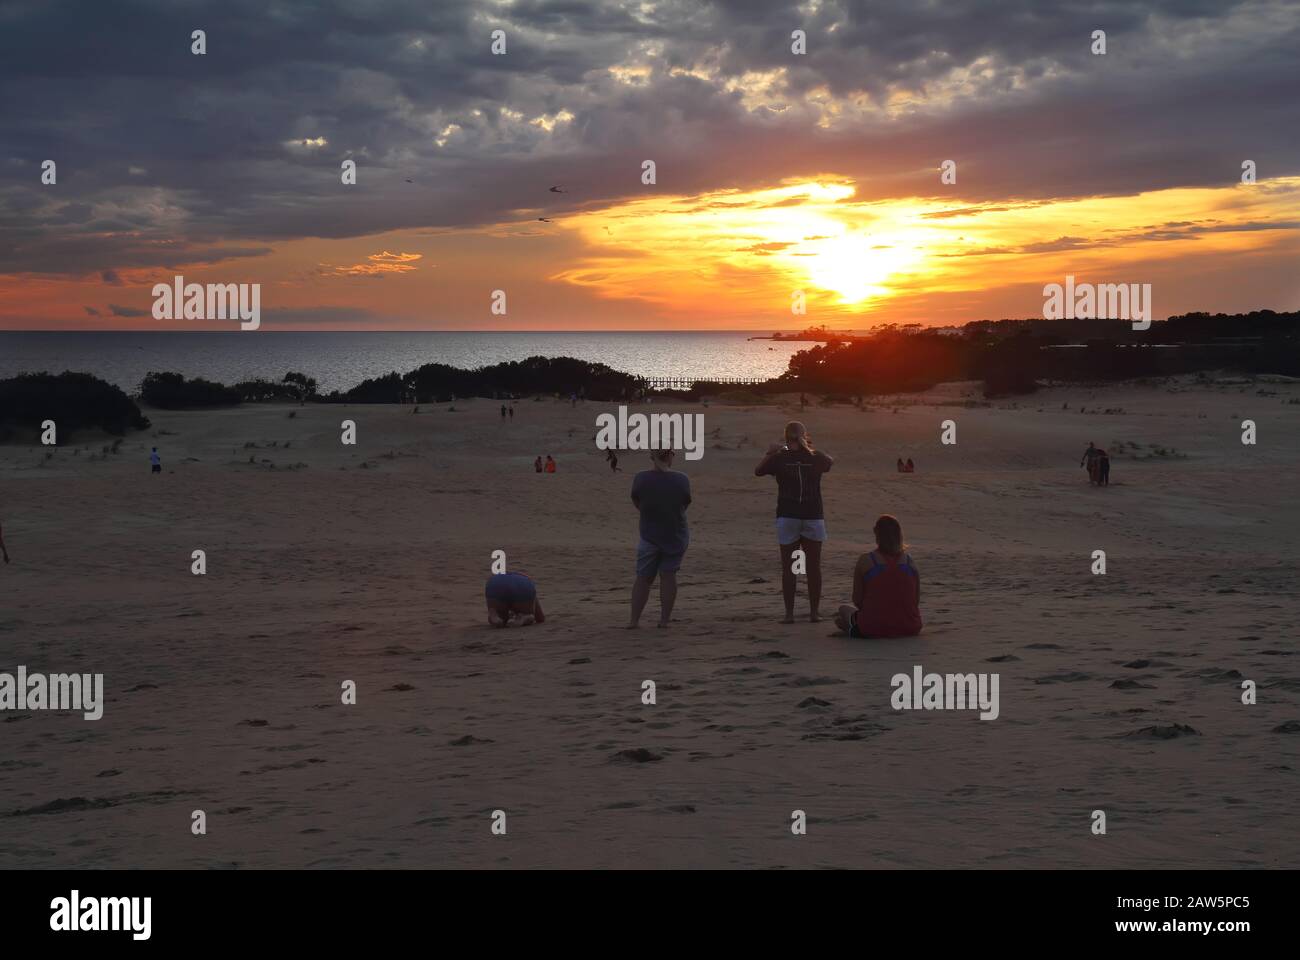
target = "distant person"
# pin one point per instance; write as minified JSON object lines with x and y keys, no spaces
{"x":512,"y":411}
{"x":910,"y":467}
{"x":612,"y":458}
{"x":537,"y":464}
{"x":510,"y":596}
{"x":800,"y":522}
{"x":550,"y":464}
{"x":803,"y":401}
{"x":503,"y":411}
{"x":662,"y":495}
{"x":886,"y":589}
{"x":1090,"y":458}
{"x":1103,"y":468}
{"x":3,"y":548}
{"x":900,"y":465}
{"x":155,"y":461}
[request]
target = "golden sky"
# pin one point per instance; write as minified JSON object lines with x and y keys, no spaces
{"x":734,"y":259}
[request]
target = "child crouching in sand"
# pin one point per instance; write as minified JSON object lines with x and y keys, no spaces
{"x":886,"y":589}
{"x":512,"y":595}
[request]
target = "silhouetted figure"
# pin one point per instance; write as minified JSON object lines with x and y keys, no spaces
{"x":1090,"y":459}
{"x":900,"y":464}
{"x":550,"y":464}
{"x":537,"y":464}
{"x":661,"y":496}
{"x":1103,"y":469}
{"x":910,"y":467}
{"x":155,"y":461}
{"x":503,"y":411}
{"x":3,"y":548}
{"x":800,"y":521}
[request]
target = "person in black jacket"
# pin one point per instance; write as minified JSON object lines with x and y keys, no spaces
{"x":800,"y":521}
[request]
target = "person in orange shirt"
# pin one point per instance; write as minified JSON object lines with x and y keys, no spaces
{"x":550,"y":464}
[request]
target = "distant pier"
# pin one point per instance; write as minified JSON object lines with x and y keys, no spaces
{"x":686,"y":383}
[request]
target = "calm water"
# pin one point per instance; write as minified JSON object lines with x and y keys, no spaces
{"x":342,"y":360}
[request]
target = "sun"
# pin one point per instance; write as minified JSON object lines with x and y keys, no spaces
{"x":855,"y":266}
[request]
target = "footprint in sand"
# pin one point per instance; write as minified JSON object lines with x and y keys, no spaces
{"x":639,"y":755}
{"x":1161,"y":732}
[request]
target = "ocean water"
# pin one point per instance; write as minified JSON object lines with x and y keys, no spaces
{"x":341,"y":360}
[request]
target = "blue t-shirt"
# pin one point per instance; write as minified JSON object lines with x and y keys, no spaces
{"x":662,"y":496}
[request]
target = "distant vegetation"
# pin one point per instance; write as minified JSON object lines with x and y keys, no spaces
{"x":1012,"y":356}
{"x":437,"y":382}
{"x":74,"y":401}
{"x":171,"y":391}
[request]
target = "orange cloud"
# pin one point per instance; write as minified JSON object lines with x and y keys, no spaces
{"x":379,"y":264}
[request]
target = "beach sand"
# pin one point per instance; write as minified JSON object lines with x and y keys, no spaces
{"x":328,"y":563}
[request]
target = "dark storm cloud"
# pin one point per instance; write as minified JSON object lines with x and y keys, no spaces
{"x":165,"y":157}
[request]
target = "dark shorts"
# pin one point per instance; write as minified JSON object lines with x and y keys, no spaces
{"x":157,"y":468}
{"x":652,"y":560}
{"x":510,"y":589}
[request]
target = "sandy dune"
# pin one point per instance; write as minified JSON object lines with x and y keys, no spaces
{"x":367,"y":563}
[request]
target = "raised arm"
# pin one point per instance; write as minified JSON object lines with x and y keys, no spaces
{"x":765,"y":465}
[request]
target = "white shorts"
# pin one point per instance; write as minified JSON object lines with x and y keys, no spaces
{"x":791,"y":530}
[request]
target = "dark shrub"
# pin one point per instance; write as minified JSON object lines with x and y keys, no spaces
{"x":74,"y":401}
{"x":171,"y":391}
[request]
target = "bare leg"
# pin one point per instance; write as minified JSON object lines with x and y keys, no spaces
{"x":787,"y":579}
{"x":667,"y":596}
{"x":844,"y":617}
{"x":640,"y":594}
{"x":813,"y":553}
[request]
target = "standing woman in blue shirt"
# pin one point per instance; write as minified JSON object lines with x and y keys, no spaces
{"x":662,"y":496}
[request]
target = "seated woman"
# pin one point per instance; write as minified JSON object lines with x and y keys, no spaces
{"x":886,"y":589}
{"x":511,"y":595}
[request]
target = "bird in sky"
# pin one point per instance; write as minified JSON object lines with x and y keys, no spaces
{"x":558,"y":190}
{"x":544,"y":219}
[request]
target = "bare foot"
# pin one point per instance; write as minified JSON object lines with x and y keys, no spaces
{"x":788,"y":618}
{"x":814,"y":618}
{"x":662,"y":624}
{"x":632,"y":626}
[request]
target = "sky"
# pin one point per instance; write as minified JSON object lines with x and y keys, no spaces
{"x":779,"y":176}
